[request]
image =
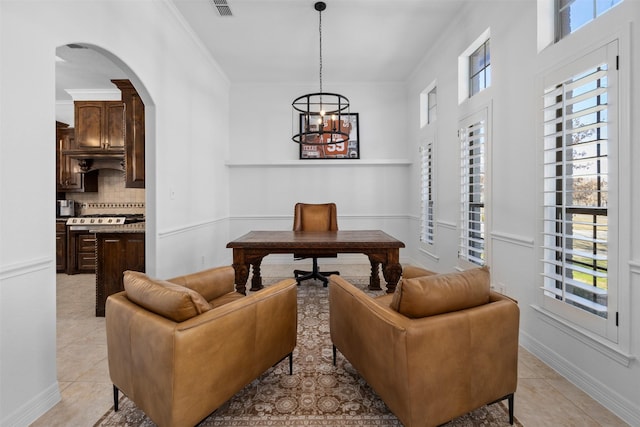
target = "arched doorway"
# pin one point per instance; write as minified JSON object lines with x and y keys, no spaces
{"x":84,"y":72}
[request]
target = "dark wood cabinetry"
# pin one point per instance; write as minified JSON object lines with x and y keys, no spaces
{"x":100,"y":125}
{"x":81,"y":252}
{"x":134,"y":138}
{"x":61,"y":246}
{"x":116,"y":253}
{"x":68,"y":176}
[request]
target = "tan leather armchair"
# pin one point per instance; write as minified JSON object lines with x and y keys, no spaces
{"x":179,"y":358}
{"x":314,"y":217}
{"x":438,"y":361}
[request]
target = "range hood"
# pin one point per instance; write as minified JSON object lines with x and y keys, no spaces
{"x":91,"y":160}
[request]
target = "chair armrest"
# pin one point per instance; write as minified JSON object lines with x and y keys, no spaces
{"x":211,"y":283}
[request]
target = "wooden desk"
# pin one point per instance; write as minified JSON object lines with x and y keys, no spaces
{"x":377,"y":245}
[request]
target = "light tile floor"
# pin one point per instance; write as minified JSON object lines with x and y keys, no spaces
{"x":544,"y":398}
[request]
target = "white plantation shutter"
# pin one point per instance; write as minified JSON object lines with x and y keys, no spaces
{"x":426,"y":187}
{"x":473,"y":138}
{"x":578,"y":132}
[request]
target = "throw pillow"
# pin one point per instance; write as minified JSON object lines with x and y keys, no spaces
{"x":167,"y":299}
{"x":442,"y":293}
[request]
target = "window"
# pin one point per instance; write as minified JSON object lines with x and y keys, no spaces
{"x":579,"y":168}
{"x":428,"y":105}
{"x":474,"y":67}
{"x":480,"y":69}
{"x":426,"y":189}
{"x":431,"y":106}
{"x":473,"y":139}
{"x":573,"y":14}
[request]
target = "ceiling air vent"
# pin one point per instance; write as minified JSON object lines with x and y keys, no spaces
{"x":223,"y":7}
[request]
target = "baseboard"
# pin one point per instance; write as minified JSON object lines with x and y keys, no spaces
{"x":33,"y":409}
{"x":610,"y":399}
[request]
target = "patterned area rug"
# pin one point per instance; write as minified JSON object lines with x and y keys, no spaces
{"x":317,"y":394}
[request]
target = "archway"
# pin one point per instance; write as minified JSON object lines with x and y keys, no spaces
{"x":84,"y":72}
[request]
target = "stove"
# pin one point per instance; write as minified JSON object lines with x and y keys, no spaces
{"x":92,"y":221}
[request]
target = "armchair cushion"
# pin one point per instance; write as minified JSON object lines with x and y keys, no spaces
{"x":175,"y":302}
{"x":441,"y":293}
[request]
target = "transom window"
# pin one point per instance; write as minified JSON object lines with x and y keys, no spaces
{"x":431,"y":105}
{"x":480,"y":69}
{"x":573,"y":14}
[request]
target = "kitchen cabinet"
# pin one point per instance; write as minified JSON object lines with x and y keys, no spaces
{"x":61,"y":246}
{"x":81,"y":252}
{"x":69,"y":179}
{"x":134,"y":138}
{"x":100,"y":125}
{"x":116,"y":253}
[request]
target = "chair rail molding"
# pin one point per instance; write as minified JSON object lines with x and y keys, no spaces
{"x":189,"y":227}
{"x":314,"y":163}
{"x":26,"y":267}
{"x":525,"y":241}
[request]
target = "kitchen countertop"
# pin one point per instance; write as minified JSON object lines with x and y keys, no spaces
{"x":136,"y":227}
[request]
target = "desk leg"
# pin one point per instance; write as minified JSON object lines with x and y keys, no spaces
{"x":392,"y":273}
{"x":256,"y":280}
{"x":242,"y":274}
{"x":374,"y":280}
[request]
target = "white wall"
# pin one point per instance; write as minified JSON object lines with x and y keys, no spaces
{"x":218,"y":166}
{"x":187,"y":106}
{"x":514,"y":173}
{"x":267,"y":179}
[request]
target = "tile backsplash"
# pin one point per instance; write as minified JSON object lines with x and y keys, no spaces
{"x":112,"y":196}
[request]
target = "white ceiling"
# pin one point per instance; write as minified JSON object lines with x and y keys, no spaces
{"x":278,"y":41}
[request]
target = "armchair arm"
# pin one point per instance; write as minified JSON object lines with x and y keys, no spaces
{"x":211,"y":283}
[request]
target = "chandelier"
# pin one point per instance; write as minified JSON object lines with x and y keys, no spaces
{"x":323,"y":117}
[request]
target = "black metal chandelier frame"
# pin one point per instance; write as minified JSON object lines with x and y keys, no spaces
{"x":320,"y":114}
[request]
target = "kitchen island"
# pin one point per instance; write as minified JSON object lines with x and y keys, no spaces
{"x":118,"y":248}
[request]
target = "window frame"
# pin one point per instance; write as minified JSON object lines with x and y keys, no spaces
{"x":470,"y":230}
{"x":425,"y":119}
{"x":581,"y":319}
{"x":558,"y":13}
{"x":432,"y":108}
{"x":482,"y":73}
{"x":463,"y":67}
{"x":427,"y":201}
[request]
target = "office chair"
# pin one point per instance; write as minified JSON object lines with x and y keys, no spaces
{"x":314,"y":217}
